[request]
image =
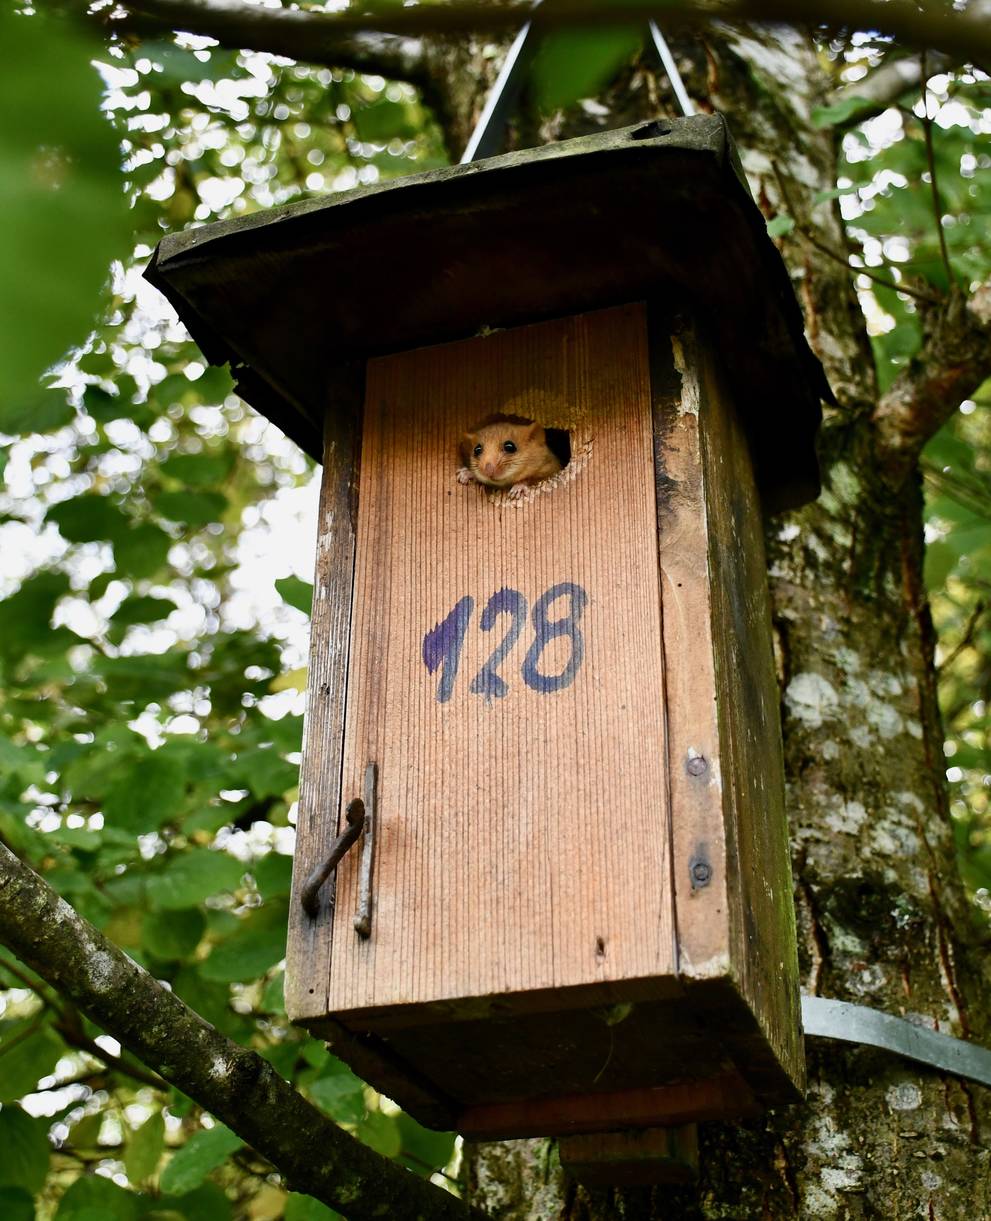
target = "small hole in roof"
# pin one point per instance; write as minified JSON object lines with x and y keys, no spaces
{"x":650,"y":131}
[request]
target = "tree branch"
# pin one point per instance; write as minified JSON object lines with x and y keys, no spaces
{"x":927,"y":131}
{"x":804,"y":230}
{"x":315,"y":37}
{"x":311,"y":37}
{"x":238,"y":1086}
{"x":885,"y":85}
{"x":954,"y":360}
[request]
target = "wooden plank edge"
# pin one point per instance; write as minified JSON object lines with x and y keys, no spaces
{"x":643,"y":1157}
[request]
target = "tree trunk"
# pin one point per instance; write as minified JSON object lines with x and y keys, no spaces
{"x":881,"y":912}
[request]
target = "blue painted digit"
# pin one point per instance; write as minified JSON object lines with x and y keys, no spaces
{"x":488,"y":681}
{"x":442,"y":646}
{"x":545,"y":630}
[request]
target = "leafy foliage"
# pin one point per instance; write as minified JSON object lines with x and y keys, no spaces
{"x":148,"y":763}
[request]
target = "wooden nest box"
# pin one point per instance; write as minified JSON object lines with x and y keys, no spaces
{"x":569,"y":908}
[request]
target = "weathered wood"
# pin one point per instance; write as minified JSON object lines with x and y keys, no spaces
{"x":522,"y":839}
{"x":725,"y":1096}
{"x":732,"y":876}
{"x":640,"y":1158}
{"x":761,"y":907}
{"x":694,"y":773}
{"x":308,"y":949}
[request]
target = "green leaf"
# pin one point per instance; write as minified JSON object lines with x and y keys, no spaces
{"x":940,"y":561}
{"x":144,"y":1149}
{"x":24,"y":1150}
{"x":385,"y":120}
{"x":187,"y":879}
{"x":40,"y":410}
{"x":26,"y":1057}
{"x":273,"y":875}
{"x":203,"y":1152}
{"x":199,"y":470}
{"x":257,"y":944}
{"x":206,"y":1203}
{"x":142,"y":609}
{"x":61,"y":197}
{"x":191,"y":508}
{"x":88,"y":519}
{"x":840,"y":112}
{"x":16,"y":1204}
{"x":273,"y":996}
{"x":836,"y":193}
{"x":104,"y":407}
{"x":574,"y":64}
{"x":780,"y":225}
{"x":95,"y":1198}
{"x":339,"y":1093}
{"x":427,"y":1151}
{"x":142,"y":551}
{"x":85,"y":1132}
{"x":213,"y":385}
{"x":296,"y":592}
{"x":265,"y":772}
{"x":25,"y":617}
{"x":144,"y":677}
{"x":173,"y":935}
{"x":305,"y":1208}
{"x":148,"y":792}
{"x":381,"y":1133}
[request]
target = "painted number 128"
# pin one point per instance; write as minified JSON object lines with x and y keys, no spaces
{"x":442,"y":645}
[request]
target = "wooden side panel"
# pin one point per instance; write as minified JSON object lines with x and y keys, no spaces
{"x":695,"y":768}
{"x":762,"y":924}
{"x":523,"y":832}
{"x":308,"y":949}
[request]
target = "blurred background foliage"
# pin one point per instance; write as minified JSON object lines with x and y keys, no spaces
{"x":151,"y":688}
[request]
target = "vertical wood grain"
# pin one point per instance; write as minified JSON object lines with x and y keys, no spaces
{"x":308,"y":949}
{"x":695,"y":767}
{"x":762,"y":913}
{"x":523,"y":841}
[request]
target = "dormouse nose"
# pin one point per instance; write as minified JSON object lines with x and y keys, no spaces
{"x":489,"y":468}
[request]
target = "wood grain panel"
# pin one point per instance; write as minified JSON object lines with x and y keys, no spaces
{"x":762,"y":912}
{"x":522,"y":841}
{"x":693,"y":732}
{"x":308,"y":949}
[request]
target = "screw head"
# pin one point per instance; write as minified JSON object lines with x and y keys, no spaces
{"x":701,"y":873}
{"x":697,"y":765}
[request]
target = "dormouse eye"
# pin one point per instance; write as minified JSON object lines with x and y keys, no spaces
{"x":477,"y":451}
{"x":509,"y":447}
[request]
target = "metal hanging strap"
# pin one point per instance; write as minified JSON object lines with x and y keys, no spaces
{"x":490,"y":130}
{"x":831,"y":1019}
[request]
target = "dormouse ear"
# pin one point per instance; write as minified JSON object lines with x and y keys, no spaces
{"x":468,"y":441}
{"x":536,"y":433}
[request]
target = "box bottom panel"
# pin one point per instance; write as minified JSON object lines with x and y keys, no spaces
{"x":586,"y":1069}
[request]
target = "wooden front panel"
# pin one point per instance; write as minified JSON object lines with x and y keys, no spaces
{"x":523,"y":830}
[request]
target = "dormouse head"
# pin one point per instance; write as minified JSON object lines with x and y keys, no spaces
{"x":501,"y":451}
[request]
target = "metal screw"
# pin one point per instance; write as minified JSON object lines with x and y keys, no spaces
{"x":696,"y":765}
{"x":701,"y":873}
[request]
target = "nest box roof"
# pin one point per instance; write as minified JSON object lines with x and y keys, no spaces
{"x":660,"y":210}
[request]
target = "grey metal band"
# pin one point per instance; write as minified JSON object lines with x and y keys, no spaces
{"x":830,"y":1019}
